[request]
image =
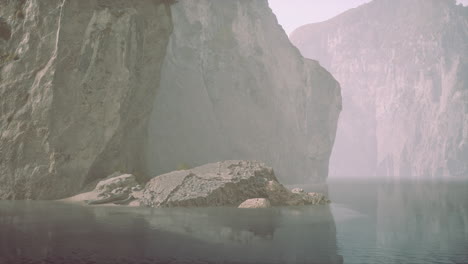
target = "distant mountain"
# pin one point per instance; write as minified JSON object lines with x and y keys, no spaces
{"x":403,"y":68}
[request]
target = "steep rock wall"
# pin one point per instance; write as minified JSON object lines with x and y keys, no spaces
{"x":402,"y":65}
{"x":77,"y":85}
{"x":81,"y":81}
{"x":233,"y":87}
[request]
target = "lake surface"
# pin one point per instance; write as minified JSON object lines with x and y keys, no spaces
{"x":366,"y":223}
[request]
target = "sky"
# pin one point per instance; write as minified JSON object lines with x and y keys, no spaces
{"x":292,"y":14}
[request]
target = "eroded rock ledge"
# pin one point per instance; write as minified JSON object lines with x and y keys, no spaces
{"x":227,"y":183}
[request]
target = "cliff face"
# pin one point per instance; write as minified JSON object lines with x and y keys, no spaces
{"x":402,"y":65}
{"x":82,"y":80}
{"x":77,"y":84}
{"x":233,"y":87}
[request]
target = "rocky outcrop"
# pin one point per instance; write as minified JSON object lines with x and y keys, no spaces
{"x":405,"y":88}
{"x":233,"y":87}
{"x":117,"y":189}
{"x":84,"y":93}
{"x":227,"y":183}
{"x":78,"y":80}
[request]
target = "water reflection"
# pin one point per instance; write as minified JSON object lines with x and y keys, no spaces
{"x":424,"y":221}
{"x":55,"y":232}
{"x":401,"y":221}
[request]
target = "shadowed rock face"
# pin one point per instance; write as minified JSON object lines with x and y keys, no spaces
{"x":233,"y":87}
{"x":402,"y":65}
{"x":5,"y":30}
{"x":74,"y":103}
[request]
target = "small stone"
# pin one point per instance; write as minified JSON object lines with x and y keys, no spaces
{"x":256,"y":203}
{"x":297,"y":190}
{"x":134,"y":203}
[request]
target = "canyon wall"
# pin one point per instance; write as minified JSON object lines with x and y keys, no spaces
{"x":77,"y":85}
{"x":92,"y":87}
{"x":403,"y":69}
{"x":233,"y":87}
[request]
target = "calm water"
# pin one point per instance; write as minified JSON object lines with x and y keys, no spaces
{"x":367,"y":223}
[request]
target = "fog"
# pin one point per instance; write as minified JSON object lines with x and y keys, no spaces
{"x":401,"y":82}
{"x":219,"y":131}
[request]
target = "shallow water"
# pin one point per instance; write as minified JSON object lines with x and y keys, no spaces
{"x":366,"y":223}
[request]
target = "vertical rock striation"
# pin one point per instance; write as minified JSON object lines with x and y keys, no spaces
{"x":77,"y":85}
{"x":403,"y":68}
{"x":233,"y":87}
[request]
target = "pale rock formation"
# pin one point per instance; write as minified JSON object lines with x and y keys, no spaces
{"x":233,"y":87}
{"x":227,"y":183}
{"x":255,"y":203}
{"x":117,"y":189}
{"x":78,"y":80}
{"x":403,"y":67}
{"x":114,"y":183}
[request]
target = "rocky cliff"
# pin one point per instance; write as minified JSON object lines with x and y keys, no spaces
{"x":402,"y":65}
{"x":233,"y":87}
{"x":91,"y":87}
{"x":77,"y":85}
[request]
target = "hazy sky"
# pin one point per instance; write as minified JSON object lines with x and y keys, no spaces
{"x":292,"y":14}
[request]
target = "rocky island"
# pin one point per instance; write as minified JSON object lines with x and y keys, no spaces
{"x":247,"y":184}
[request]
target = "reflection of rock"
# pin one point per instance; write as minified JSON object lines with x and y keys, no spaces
{"x":165,"y":235}
{"x":256,"y":203}
{"x":225,"y":183}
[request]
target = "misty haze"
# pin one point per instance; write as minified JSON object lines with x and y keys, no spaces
{"x":233,"y":131}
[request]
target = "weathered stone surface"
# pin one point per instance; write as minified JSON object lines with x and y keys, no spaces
{"x":116,"y":188}
{"x":115,"y":183}
{"x":77,"y":84}
{"x":215,"y":184}
{"x":405,"y":87}
{"x":226,"y":183}
{"x":233,"y":87}
{"x":256,"y":203}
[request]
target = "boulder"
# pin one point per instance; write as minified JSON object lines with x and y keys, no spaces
{"x":256,"y":203}
{"x":226,"y":183}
